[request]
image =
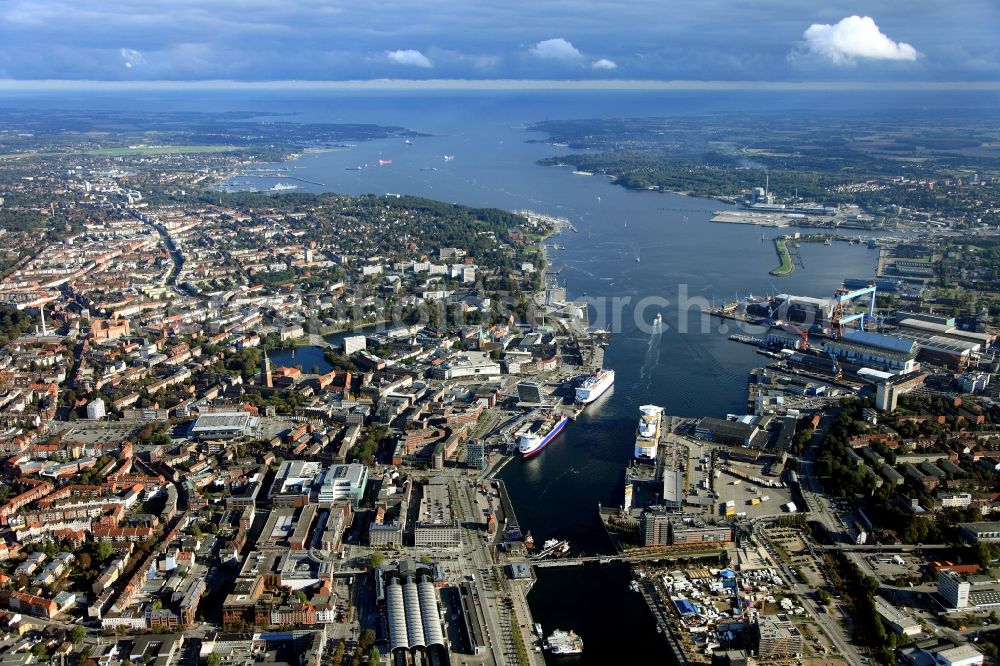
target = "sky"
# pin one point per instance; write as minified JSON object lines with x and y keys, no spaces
{"x":656,"y":40}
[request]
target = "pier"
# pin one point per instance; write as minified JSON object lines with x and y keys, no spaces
{"x":512,"y":531}
{"x":277,"y":173}
{"x":746,"y":339}
{"x":662,"y":625}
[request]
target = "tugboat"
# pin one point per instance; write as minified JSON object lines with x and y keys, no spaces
{"x":529,"y":542}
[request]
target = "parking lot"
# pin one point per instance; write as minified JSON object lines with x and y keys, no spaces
{"x":748,"y":496}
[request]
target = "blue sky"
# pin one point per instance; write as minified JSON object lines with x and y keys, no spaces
{"x":660,"y":40}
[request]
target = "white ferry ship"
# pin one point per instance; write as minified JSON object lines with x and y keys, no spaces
{"x":594,"y":386}
{"x":647,"y":435}
{"x":541,"y":432}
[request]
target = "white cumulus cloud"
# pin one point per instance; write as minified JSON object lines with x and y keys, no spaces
{"x":132,"y":58}
{"x":410,"y":57}
{"x":855,"y":37}
{"x":604,"y":63}
{"x":556,"y":49}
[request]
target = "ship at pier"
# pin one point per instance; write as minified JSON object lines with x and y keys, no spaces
{"x":540,"y":434}
{"x":647,"y":436}
{"x":594,"y":386}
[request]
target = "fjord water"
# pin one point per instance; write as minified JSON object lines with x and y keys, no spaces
{"x":696,"y":373}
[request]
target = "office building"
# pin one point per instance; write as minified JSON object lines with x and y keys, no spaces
{"x":476,"y":454}
{"x":436,"y":527}
{"x":354,"y":343}
{"x":777,"y":638}
{"x":529,"y":392}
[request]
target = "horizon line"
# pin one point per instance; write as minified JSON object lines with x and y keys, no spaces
{"x":492,"y":84}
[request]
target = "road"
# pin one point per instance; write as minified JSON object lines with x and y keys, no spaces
{"x":319,"y":341}
{"x":176,"y":258}
{"x":830,"y":627}
{"x":820,"y":510}
{"x":476,"y":562}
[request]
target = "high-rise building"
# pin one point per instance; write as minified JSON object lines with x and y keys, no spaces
{"x":954,"y":589}
{"x":475,"y":455}
{"x":886,"y":397}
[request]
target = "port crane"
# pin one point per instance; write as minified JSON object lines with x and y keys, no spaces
{"x":844,"y":296}
{"x":838,"y":372}
{"x":802,"y":333}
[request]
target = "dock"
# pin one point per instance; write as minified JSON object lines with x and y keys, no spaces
{"x":512,"y":530}
{"x":662,"y":625}
{"x":516,"y":619}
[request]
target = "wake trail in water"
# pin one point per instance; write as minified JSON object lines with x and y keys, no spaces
{"x":553,"y":481}
{"x":652,"y":359}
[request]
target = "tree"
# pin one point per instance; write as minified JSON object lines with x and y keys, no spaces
{"x":338,"y":654}
{"x":83,"y":560}
{"x":213,"y":659}
{"x":376,"y":559}
{"x":373,"y":656}
{"x":76,"y":634}
{"x":104,"y":551}
{"x":367,"y":639}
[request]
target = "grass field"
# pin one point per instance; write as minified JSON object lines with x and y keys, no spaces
{"x":787,"y":267}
